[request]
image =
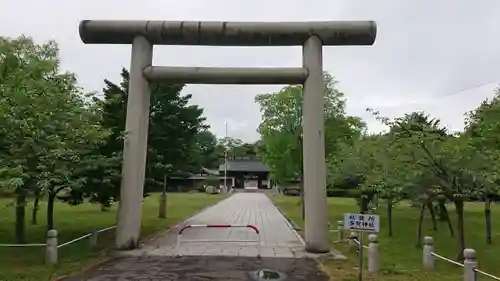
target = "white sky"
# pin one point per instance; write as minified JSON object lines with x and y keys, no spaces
{"x":425,"y":51}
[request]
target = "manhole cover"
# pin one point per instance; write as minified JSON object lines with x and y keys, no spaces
{"x":267,"y":274}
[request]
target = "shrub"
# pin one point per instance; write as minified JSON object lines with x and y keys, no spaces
{"x":347,"y":193}
{"x":212,"y":181}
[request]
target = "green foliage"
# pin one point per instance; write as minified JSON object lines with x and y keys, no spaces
{"x":47,"y":128}
{"x":212,"y":181}
{"x":281,"y":127}
{"x":237,"y":148}
{"x":61,"y":143}
{"x":178,"y":140}
{"x":207,"y":150}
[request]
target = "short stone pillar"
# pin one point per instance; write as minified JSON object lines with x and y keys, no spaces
{"x":93,"y":238}
{"x":353,"y":246}
{"x":162,"y":212}
{"x":373,"y":254}
{"x":429,"y":260}
{"x":470,"y":265}
{"x":51,"y":250}
{"x":340,"y":230}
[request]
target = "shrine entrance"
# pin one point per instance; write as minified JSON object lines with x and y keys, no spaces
{"x":142,"y":35}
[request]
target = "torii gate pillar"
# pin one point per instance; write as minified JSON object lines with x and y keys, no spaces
{"x":144,"y":34}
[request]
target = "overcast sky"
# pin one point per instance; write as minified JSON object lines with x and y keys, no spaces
{"x":426,"y":51}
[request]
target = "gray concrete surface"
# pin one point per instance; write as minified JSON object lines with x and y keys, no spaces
{"x":313,"y":150}
{"x":200,"y":269}
{"x":134,"y":149}
{"x":222,"y":33}
{"x":224,"y":75}
{"x":278,"y":239}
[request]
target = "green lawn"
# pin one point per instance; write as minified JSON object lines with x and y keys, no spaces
{"x":74,"y":221}
{"x":400,"y":258}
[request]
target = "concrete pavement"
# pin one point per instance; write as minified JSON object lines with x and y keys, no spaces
{"x":277,"y":237}
{"x":235,"y":261}
{"x":190,"y":268}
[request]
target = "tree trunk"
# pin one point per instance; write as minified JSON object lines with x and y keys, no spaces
{"x":444,"y":215}
{"x":459,"y":208}
{"x":162,"y":212}
{"x":430,"y":206}
{"x":363,"y":204}
{"x":50,"y":211}
{"x":389,"y":215}
{"x":420,"y":224}
{"x":442,"y":212}
{"x":487,"y":217}
{"x":21,"y":216}
{"x":34,"y":214}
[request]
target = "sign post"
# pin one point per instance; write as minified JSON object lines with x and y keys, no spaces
{"x":361,"y":223}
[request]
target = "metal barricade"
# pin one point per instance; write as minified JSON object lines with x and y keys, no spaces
{"x":184,"y":228}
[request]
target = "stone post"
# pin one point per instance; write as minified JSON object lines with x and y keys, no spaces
{"x":470,"y":264}
{"x":373,"y":254}
{"x":428,"y":259}
{"x":162,"y":212}
{"x":353,"y":246}
{"x":135,"y":145}
{"x":93,"y":238}
{"x":316,"y":228}
{"x":340,"y":232}
{"x":51,"y":250}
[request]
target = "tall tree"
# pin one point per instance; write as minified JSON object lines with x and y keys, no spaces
{"x":482,"y":131}
{"x":439,"y":164}
{"x":43,"y":117}
{"x":173,"y":128}
{"x":207,"y":152}
{"x":281,"y":128}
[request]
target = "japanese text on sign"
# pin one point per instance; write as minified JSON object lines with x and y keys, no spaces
{"x":360,"y":222}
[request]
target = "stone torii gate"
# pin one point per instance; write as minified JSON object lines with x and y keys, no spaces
{"x":312,"y":36}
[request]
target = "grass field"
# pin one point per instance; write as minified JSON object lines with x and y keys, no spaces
{"x":75,"y":221}
{"x":401,"y":260}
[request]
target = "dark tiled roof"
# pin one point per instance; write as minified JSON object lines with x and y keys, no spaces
{"x":245,"y":166}
{"x":210,"y":171}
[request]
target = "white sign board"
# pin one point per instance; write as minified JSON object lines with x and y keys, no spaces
{"x":360,"y":222}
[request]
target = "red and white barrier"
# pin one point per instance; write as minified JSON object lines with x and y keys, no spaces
{"x":186,"y":227}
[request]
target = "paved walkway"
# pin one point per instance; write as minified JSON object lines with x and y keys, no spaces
{"x":235,"y":261}
{"x":277,"y":237}
{"x":203,"y":268}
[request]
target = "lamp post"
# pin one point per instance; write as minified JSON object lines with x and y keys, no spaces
{"x":225,"y":162}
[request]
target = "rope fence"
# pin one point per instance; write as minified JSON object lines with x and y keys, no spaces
{"x":469,"y":265}
{"x":359,"y":243}
{"x":355,"y":245}
{"x":447,"y":259}
{"x":22,"y":245}
{"x":470,"y":270}
{"x":52,"y":246}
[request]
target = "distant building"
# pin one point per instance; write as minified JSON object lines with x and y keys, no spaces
{"x":241,"y":172}
{"x":245,"y":172}
{"x":190,"y":181}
